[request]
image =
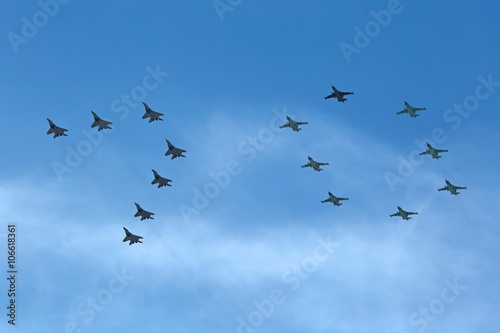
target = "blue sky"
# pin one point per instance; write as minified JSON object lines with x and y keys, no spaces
{"x":241,"y":241}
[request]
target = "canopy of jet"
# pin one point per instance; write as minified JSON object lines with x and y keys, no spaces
{"x":294,"y":125}
{"x":172,"y":150}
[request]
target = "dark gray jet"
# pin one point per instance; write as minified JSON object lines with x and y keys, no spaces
{"x":58,"y":131}
{"x":131,"y":237}
{"x":334,"y":200}
{"x":293,"y":124}
{"x":434,"y":152}
{"x":452,"y":188}
{"x":410,"y":110}
{"x":404,"y":214}
{"x":339,"y":95}
{"x":144,"y":214}
{"x":153,"y":115}
{"x":176,"y":152}
{"x":160,"y":180}
{"x":313,"y":164}
{"x":99,"y":122}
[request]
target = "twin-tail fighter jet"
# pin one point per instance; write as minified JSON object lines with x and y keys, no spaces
{"x":153,"y":115}
{"x":160,"y":180}
{"x":131,"y":237}
{"x":334,"y":200}
{"x":293,"y":124}
{"x":452,"y":188}
{"x":58,"y":131}
{"x":176,"y":152}
{"x":339,"y":95}
{"x":144,"y":214}
{"x":313,"y":164}
{"x":404,"y":214}
{"x":99,"y":122}
{"x":434,"y":152}
{"x":410,"y":110}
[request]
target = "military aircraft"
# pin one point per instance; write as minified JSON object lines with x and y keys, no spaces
{"x":99,"y":122}
{"x":58,"y":131}
{"x":131,"y":237}
{"x":313,"y":164}
{"x":144,"y":214}
{"x":434,"y":152}
{"x":176,"y":152}
{"x":410,"y":110}
{"x":293,"y":124}
{"x":452,"y":188}
{"x":404,"y":214}
{"x":153,"y":115}
{"x":160,"y":180}
{"x":339,"y":95}
{"x":334,"y":200}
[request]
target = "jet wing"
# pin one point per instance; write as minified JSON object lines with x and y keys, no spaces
{"x":442,"y":150}
{"x":395,"y":214}
{"x":330,"y":96}
{"x":419,"y":109}
{"x":442,"y":189}
{"x":347,"y":93}
{"x":460,"y":188}
{"x":306,"y":165}
{"x":319,"y":163}
{"x":302,"y":123}
{"x":50,"y":131}
{"x":402,"y":111}
{"x":343,"y":198}
{"x":425,"y":152}
{"x":326,"y":200}
{"x":286,"y":125}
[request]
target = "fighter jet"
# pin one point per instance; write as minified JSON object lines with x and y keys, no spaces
{"x":404,"y":214}
{"x":339,"y":95}
{"x":58,"y":131}
{"x":176,"y":152}
{"x":160,"y":180}
{"x":131,"y":237}
{"x":293,"y":124}
{"x":143,"y":213}
{"x":434,"y":152}
{"x":99,"y":122}
{"x":313,"y":164}
{"x":334,"y":200}
{"x":153,"y":115}
{"x":411,"y":110}
{"x":452,"y":188}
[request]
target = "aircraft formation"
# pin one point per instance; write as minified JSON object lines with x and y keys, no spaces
{"x":161,"y":181}
{"x":294,"y":125}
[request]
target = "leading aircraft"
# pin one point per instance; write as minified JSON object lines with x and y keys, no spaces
{"x":131,"y":237}
{"x":452,"y":188}
{"x":404,"y":214}
{"x":293,"y":124}
{"x":339,"y":95}
{"x":410,"y":110}
{"x":176,"y":152}
{"x":313,"y":164}
{"x":58,"y":131}
{"x":99,"y":122}
{"x":334,"y":200}
{"x":153,"y":115}
{"x":144,"y":214}
{"x":160,"y":180}
{"x":434,"y":152}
